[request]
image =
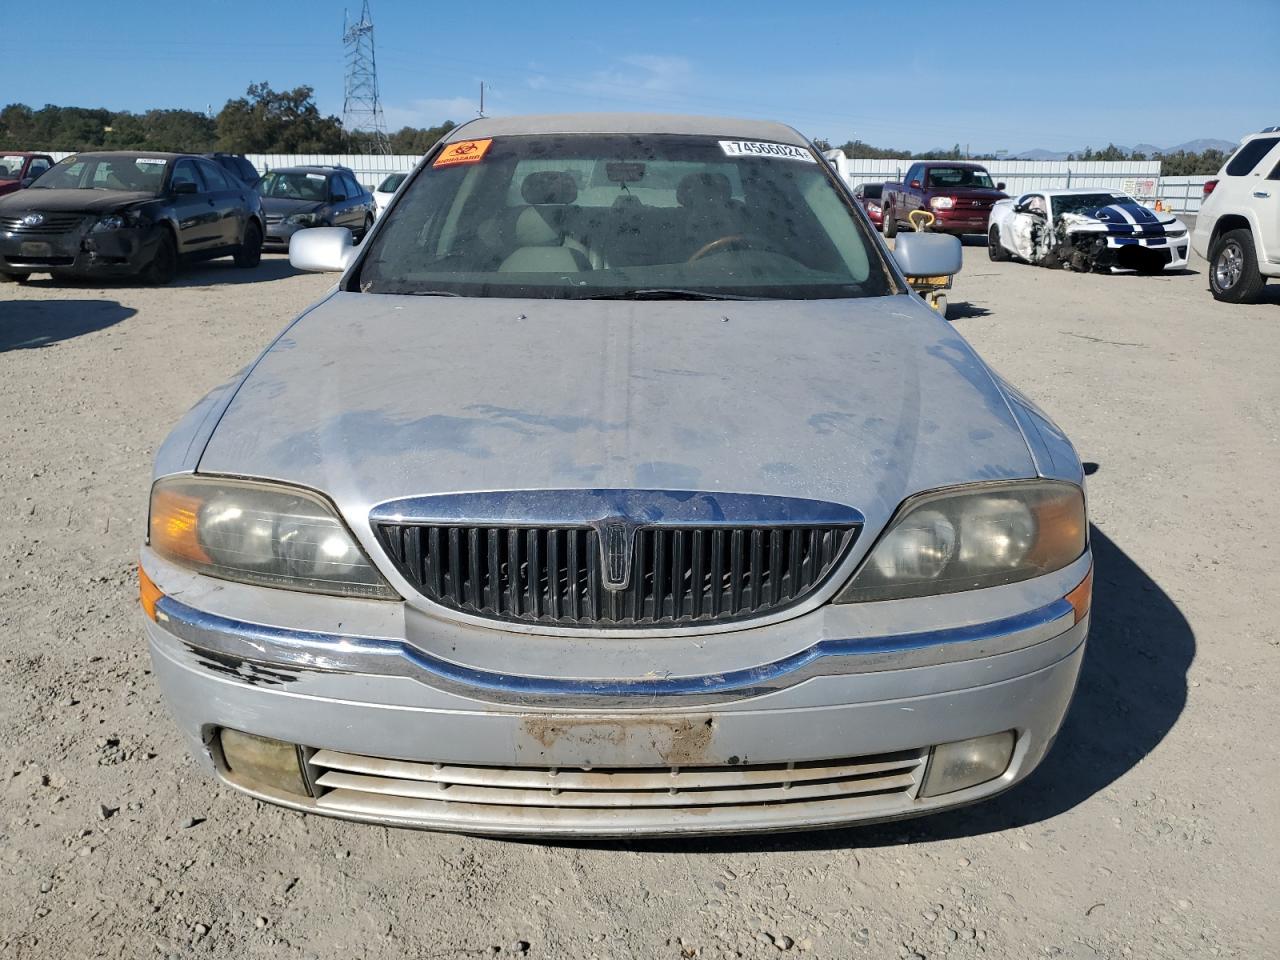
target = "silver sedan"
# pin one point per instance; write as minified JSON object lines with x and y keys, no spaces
{"x":620,"y":486}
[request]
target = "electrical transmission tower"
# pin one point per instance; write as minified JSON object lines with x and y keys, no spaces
{"x":361,"y":108}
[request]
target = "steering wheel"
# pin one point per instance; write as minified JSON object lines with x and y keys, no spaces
{"x":733,"y":240}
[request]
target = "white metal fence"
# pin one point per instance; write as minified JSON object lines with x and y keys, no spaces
{"x":1183,"y":194}
{"x":1138,"y":177}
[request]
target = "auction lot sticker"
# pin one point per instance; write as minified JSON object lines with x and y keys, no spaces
{"x":758,"y":148}
{"x":467,"y":151}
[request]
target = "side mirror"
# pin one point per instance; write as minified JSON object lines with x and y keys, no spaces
{"x":26,"y":182}
{"x":337,"y":197}
{"x":322,"y":249}
{"x":184,"y":186}
{"x":924,"y":254}
{"x":1000,"y":185}
{"x":915,"y":184}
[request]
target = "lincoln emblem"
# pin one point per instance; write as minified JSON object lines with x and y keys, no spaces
{"x":615,"y":544}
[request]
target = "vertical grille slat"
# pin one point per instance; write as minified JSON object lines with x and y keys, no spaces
{"x":695,"y":574}
{"x":493,"y":574}
{"x":554,"y":573}
{"x":679,"y":576}
{"x":455,"y":564}
{"x":475,"y":591}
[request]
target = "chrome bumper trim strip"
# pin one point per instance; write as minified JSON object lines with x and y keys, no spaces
{"x":299,"y":650}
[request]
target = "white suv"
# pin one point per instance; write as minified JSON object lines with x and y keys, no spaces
{"x":1238,"y":230}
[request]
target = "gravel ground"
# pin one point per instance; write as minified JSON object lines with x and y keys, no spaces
{"x":1151,"y":830}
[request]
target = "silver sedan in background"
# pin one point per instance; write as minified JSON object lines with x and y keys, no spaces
{"x":620,"y":486}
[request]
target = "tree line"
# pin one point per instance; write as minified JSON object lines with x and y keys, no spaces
{"x":1177,"y":163}
{"x":262,"y":121}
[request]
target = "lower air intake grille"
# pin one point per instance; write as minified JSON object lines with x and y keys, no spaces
{"x":609,"y":799}
{"x":676,"y":576}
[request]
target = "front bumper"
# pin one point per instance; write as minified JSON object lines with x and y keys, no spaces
{"x":387,"y":725}
{"x":960,"y":221}
{"x":280,"y":233}
{"x":123,"y":252}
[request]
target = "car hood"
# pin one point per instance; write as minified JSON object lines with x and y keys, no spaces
{"x":370,"y":398}
{"x":287,"y":206}
{"x":72,"y":201}
{"x":1123,"y":218}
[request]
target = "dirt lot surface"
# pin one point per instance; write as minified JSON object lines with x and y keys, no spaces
{"x":1153,"y":829}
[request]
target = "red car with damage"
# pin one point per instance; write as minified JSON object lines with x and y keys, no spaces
{"x":959,"y":194}
{"x":19,"y":167}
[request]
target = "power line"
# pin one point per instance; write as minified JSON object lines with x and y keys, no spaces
{"x":361,"y":107}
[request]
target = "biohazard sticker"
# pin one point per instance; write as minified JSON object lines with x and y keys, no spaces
{"x":772,"y":151}
{"x":465,"y":151}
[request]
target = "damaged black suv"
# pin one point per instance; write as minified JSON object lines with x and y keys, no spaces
{"x":128,"y":214}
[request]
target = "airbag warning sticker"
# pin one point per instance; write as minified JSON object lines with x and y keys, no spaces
{"x":465,"y":151}
{"x":757,"y":148}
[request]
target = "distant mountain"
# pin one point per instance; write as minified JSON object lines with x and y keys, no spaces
{"x":1191,"y":146}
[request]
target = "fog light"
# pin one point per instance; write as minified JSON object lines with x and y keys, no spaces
{"x":967,"y":763}
{"x":261,"y":761}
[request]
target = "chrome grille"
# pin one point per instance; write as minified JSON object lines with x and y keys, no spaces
{"x":677,"y":576}
{"x":602,"y":798}
{"x":274,"y":218}
{"x":53,"y":224}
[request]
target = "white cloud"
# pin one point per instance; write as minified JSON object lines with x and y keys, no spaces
{"x":647,"y":72}
{"x":431,"y":111}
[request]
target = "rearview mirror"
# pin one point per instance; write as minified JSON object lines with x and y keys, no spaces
{"x":322,"y":249}
{"x":922,"y":254}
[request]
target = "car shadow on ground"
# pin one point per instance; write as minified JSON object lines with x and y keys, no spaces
{"x":206,"y":273}
{"x":30,"y":324}
{"x":1131,"y":691}
{"x":963,"y":310}
{"x":213,"y":273}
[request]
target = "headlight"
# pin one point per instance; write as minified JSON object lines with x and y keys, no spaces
{"x":115,"y":221}
{"x":873,"y":208}
{"x":306,"y":219}
{"x":980,"y":535}
{"x":260,"y":533}
{"x":942,"y":203}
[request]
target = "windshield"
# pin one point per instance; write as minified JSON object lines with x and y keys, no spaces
{"x":132,"y":174}
{"x":945,"y":178}
{"x":11,"y":166}
{"x":581,"y":216}
{"x":392,"y":183}
{"x":1087,"y":202}
{"x":290,"y":185}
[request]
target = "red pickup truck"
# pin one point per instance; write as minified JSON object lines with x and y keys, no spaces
{"x":18,"y":167}
{"x":958,"y":194}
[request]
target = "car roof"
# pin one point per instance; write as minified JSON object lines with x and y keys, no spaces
{"x":626,"y":123}
{"x":157,"y":154}
{"x":1069,"y":191}
{"x":24,"y":153}
{"x":309,"y":168}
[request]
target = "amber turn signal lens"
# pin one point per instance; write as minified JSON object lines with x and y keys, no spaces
{"x":173,"y":525}
{"x":1082,"y":596}
{"x":148,"y":594}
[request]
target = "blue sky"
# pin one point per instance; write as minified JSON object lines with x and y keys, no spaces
{"x":915,"y":75}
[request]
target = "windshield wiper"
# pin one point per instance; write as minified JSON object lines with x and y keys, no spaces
{"x":666,"y":294}
{"x":411,"y":292}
